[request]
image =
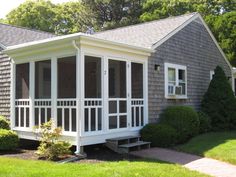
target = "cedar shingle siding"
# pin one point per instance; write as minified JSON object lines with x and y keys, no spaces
{"x":193,"y":47}
{"x":4,"y":85}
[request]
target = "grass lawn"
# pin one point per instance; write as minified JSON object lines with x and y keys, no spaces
{"x":217,"y":145}
{"x":15,"y":167}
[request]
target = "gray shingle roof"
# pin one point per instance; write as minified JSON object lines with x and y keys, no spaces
{"x":12,"y":35}
{"x":144,"y":34}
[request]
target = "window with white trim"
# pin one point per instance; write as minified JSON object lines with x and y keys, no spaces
{"x":175,"y":81}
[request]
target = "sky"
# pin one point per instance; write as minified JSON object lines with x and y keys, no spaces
{"x":7,"y":5}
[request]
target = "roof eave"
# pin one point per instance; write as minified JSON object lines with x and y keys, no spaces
{"x":83,"y":38}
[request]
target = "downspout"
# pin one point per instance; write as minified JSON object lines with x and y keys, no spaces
{"x":79,"y":149}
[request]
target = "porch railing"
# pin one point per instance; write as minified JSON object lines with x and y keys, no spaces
{"x":66,"y":114}
{"x":92,"y":115}
{"x":22,"y":113}
{"x":137,"y":112}
{"x":42,"y":111}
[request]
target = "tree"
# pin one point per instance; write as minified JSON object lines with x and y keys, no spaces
{"x":224,"y":28}
{"x":35,"y":14}
{"x":219,"y":102}
{"x":72,"y":17}
{"x":110,"y":14}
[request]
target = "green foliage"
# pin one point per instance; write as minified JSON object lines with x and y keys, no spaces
{"x":205,"y":122}
{"x":224,"y":28}
{"x":159,"y":135}
{"x":35,"y":14}
{"x":8,"y":140}
{"x":4,"y":124}
{"x":112,"y":14}
{"x":183,"y":119}
{"x":219,"y":102}
{"x":50,"y":146}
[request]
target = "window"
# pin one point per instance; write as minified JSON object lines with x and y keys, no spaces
{"x":175,"y":81}
{"x":211,"y":74}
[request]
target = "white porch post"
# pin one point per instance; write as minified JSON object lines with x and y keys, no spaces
{"x":31,"y":93}
{"x":129,"y":94}
{"x":105,"y":119}
{"x":145,"y":92}
{"x":54,"y":90}
{"x":12,"y":96}
{"x":79,"y":97}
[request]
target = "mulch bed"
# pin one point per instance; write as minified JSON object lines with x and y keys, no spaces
{"x":95,"y":154}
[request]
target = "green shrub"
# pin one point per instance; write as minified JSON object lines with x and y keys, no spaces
{"x":159,"y":135}
{"x":219,"y":102}
{"x":50,"y":146}
{"x":4,"y":124}
{"x":205,"y":122}
{"x":8,"y":140}
{"x":183,"y":119}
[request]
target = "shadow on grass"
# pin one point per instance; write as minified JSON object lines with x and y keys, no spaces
{"x":205,"y":142}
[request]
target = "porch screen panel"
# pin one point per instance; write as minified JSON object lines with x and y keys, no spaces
{"x":43,"y":79}
{"x":137,"y":101}
{"x":22,"y":81}
{"x":66,"y":72}
{"x":93,"y":94}
{"x":117,"y":94}
{"x":22,"y":95}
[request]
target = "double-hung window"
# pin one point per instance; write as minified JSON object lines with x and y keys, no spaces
{"x":175,"y":81}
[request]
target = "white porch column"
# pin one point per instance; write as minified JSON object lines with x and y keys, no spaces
{"x":145,"y":92}
{"x":79,"y":96}
{"x":54,"y":90}
{"x":105,"y":119}
{"x":31,"y":93}
{"x":129,"y":95}
{"x":12,"y":94}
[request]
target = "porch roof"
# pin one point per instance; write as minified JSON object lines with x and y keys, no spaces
{"x":141,"y":37}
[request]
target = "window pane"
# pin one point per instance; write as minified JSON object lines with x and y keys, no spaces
{"x":66,"y":77}
{"x":117,"y":79}
{"x":183,"y":88}
{"x":92,"y":77}
{"x":171,"y":74}
{"x":43,"y":79}
{"x":112,"y":122}
{"x":181,"y":75}
{"x":137,"y":80}
{"x":123,"y":121}
{"x":22,"y":81}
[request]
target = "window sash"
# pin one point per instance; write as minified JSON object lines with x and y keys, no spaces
{"x":182,"y":82}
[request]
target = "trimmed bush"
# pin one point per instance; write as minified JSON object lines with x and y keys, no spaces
{"x":159,"y":135}
{"x":219,"y":102}
{"x":205,"y":122}
{"x":8,"y":140}
{"x":183,"y":119}
{"x":4,"y":124}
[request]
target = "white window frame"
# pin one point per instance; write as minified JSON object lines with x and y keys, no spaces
{"x":211,"y":74}
{"x":177,"y":68}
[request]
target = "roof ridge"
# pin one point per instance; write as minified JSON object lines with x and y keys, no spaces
{"x":153,"y":21}
{"x":30,"y":29}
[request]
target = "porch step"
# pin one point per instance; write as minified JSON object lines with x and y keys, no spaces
{"x":126,"y":144}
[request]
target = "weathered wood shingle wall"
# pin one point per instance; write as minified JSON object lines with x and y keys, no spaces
{"x":194,"y":48}
{"x":4,"y":85}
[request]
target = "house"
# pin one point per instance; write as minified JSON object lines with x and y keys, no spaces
{"x":110,"y":84}
{"x":12,"y":35}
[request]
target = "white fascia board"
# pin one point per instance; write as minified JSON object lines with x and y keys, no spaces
{"x":168,"y":36}
{"x":97,"y":42}
{"x":62,"y":40}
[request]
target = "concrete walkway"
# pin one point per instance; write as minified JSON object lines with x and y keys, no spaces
{"x":204,"y":165}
